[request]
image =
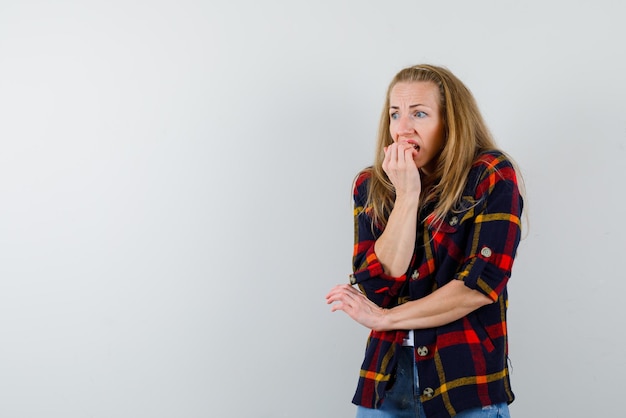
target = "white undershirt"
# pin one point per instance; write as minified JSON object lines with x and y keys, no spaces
{"x":408,"y":341}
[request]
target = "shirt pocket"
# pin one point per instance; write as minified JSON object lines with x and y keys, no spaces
{"x":455,"y":220}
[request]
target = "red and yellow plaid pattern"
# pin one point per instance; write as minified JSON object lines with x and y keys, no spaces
{"x":463,"y":364}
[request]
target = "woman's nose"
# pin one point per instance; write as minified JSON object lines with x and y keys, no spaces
{"x":404,"y":126}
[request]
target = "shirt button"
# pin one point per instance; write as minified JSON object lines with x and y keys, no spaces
{"x":422,"y":351}
{"x":428,"y":392}
{"x":486,"y":252}
{"x":352,"y":279}
{"x":453,"y":221}
{"x":415,"y":275}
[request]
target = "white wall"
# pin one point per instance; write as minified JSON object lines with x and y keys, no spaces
{"x":175,"y":197}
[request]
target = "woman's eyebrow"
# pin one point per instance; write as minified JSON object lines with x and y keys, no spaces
{"x":410,"y":107}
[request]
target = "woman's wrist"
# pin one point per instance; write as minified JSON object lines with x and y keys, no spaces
{"x":383,"y":320}
{"x":407,"y":199}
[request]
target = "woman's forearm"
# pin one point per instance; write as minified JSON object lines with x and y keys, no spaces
{"x":447,"y":304}
{"x":395,"y":247}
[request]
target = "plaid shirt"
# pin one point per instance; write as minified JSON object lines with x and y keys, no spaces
{"x":462,"y":364}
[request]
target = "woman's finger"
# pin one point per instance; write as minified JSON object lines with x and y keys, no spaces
{"x":337,"y":289}
{"x":340,"y":292}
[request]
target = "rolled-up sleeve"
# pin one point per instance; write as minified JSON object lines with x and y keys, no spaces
{"x":368,"y":272}
{"x":495,"y":231}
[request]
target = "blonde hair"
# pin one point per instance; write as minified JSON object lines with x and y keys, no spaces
{"x":465,"y":136}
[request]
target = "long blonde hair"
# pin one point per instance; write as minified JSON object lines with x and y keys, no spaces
{"x":465,"y":134}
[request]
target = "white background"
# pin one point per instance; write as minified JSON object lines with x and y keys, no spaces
{"x":175,"y":197}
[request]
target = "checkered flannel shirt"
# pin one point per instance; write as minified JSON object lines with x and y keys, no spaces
{"x":463,"y":364}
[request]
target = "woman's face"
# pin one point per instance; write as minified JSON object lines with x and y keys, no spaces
{"x":415,"y":119}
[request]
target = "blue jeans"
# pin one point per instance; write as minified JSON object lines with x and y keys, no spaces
{"x":403,"y":400}
{"x":499,"y":410}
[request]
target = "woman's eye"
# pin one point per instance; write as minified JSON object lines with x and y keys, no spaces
{"x":394,"y":116}
{"x":420,"y":114}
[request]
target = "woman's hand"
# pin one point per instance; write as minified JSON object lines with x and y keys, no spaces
{"x":346,"y":298}
{"x":401,"y":169}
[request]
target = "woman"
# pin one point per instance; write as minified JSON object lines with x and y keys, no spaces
{"x":437,"y":225}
